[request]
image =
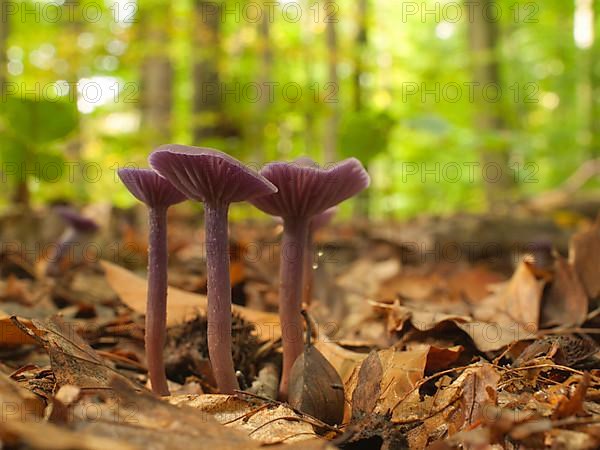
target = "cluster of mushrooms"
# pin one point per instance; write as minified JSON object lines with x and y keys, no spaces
{"x":298,"y":192}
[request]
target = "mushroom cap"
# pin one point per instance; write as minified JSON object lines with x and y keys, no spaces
{"x":76,"y":220}
{"x":305,"y":190}
{"x":208,"y":175}
{"x":150,"y":188}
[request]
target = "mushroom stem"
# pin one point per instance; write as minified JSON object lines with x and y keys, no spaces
{"x":156,"y":308}
{"x":219,"y":297}
{"x":309,"y":258}
{"x":293,"y":249}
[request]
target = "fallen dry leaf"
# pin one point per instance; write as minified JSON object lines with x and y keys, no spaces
{"x":458,"y":406}
{"x":565,"y":303}
{"x":584,"y":255}
{"x":267,"y":424}
{"x":182,"y":305}
{"x":368,"y":386}
{"x":441,"y":358}
{"x":400,"y":373}
{"x":22,"y":424}
{"x":316,"y":388}
{"x":73,"y":361}
{"x":519,"y":300}
{"x":479,"y":392}
{"x":487,"y":335}
{"x":147,"y":421}
{"x":11,"y":335}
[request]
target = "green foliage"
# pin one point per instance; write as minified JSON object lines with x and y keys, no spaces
{"x":30,"y":127}
{"x":545,"y":80}
{"x":365,"y":135}
{"x":39,"y":122}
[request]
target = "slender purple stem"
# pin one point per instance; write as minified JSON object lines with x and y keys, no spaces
{"x":309,"y":257}
{"x":156,"y":309}
{"x":219,"y":297}
{"x":293,"y":249}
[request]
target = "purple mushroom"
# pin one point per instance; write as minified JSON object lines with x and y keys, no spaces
{"x":304,"y":190}
{"x":216,"y":179}
{"x":158,"y":194}
{"x":318,"y":221}
{"x":79,"y":228}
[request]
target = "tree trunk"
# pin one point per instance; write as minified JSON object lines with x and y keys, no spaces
{"x":4,"y":31}
{"x":265,"y":56}
{"x":207,"y":98}
{"x":74,"y":28}
{"x":361,"y":43}
{"x":308,"y":42}
{"x":483,"y":40}
{"x":156,"y":75}
{"x":361,"y":40}
{"x":594,"y":76}
{"x":333,"y":114}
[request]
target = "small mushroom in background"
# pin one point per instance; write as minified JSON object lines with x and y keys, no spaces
{"x":304,"y":190}
{"x":79,"y":229}
{"x":318,"y":221}
{"x":158,"y":194}
{"x":215,"y":179}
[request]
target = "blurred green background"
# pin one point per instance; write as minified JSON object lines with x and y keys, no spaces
{"x":452,"y":105}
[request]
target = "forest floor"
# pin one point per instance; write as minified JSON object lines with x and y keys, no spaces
{"x":461,"y":333}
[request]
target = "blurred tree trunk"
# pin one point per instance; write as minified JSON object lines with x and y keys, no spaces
{"x":74,"y":27}
{"x":156,"y":77}
{"x":310,"y":140}
{"x":594,"y":75}
{"x":207,"y":103}
{"x":4,"y":31}
{"x":333,"y":114}
{"x":489,"y":123}
{"x":257,"y":128}
{"x":360,"y":45}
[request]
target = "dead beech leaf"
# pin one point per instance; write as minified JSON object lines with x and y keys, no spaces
{"x":316,"y":388}
{"x":266,"y":424}
{"x":40,"y":435}
{"x":473,"y":282}
{"x":181,"y":305}
{"x":73,"y":361}
{"x":566,"y":302}
{"x":11,"y":335}
{"x":150,"y":422}
{"x":522,"y":295}
{"x":479,"y":392}
{"x":368,"y":386}
{"x":362,"y":281}
{"x":457,"y":407}
{"x":584,"y":255}
{"x":344,"y":361}
{"x":22,"y":425}
{"x":494,"y":331}
{"x":441,"y":358}
{"x":402,"y":370}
